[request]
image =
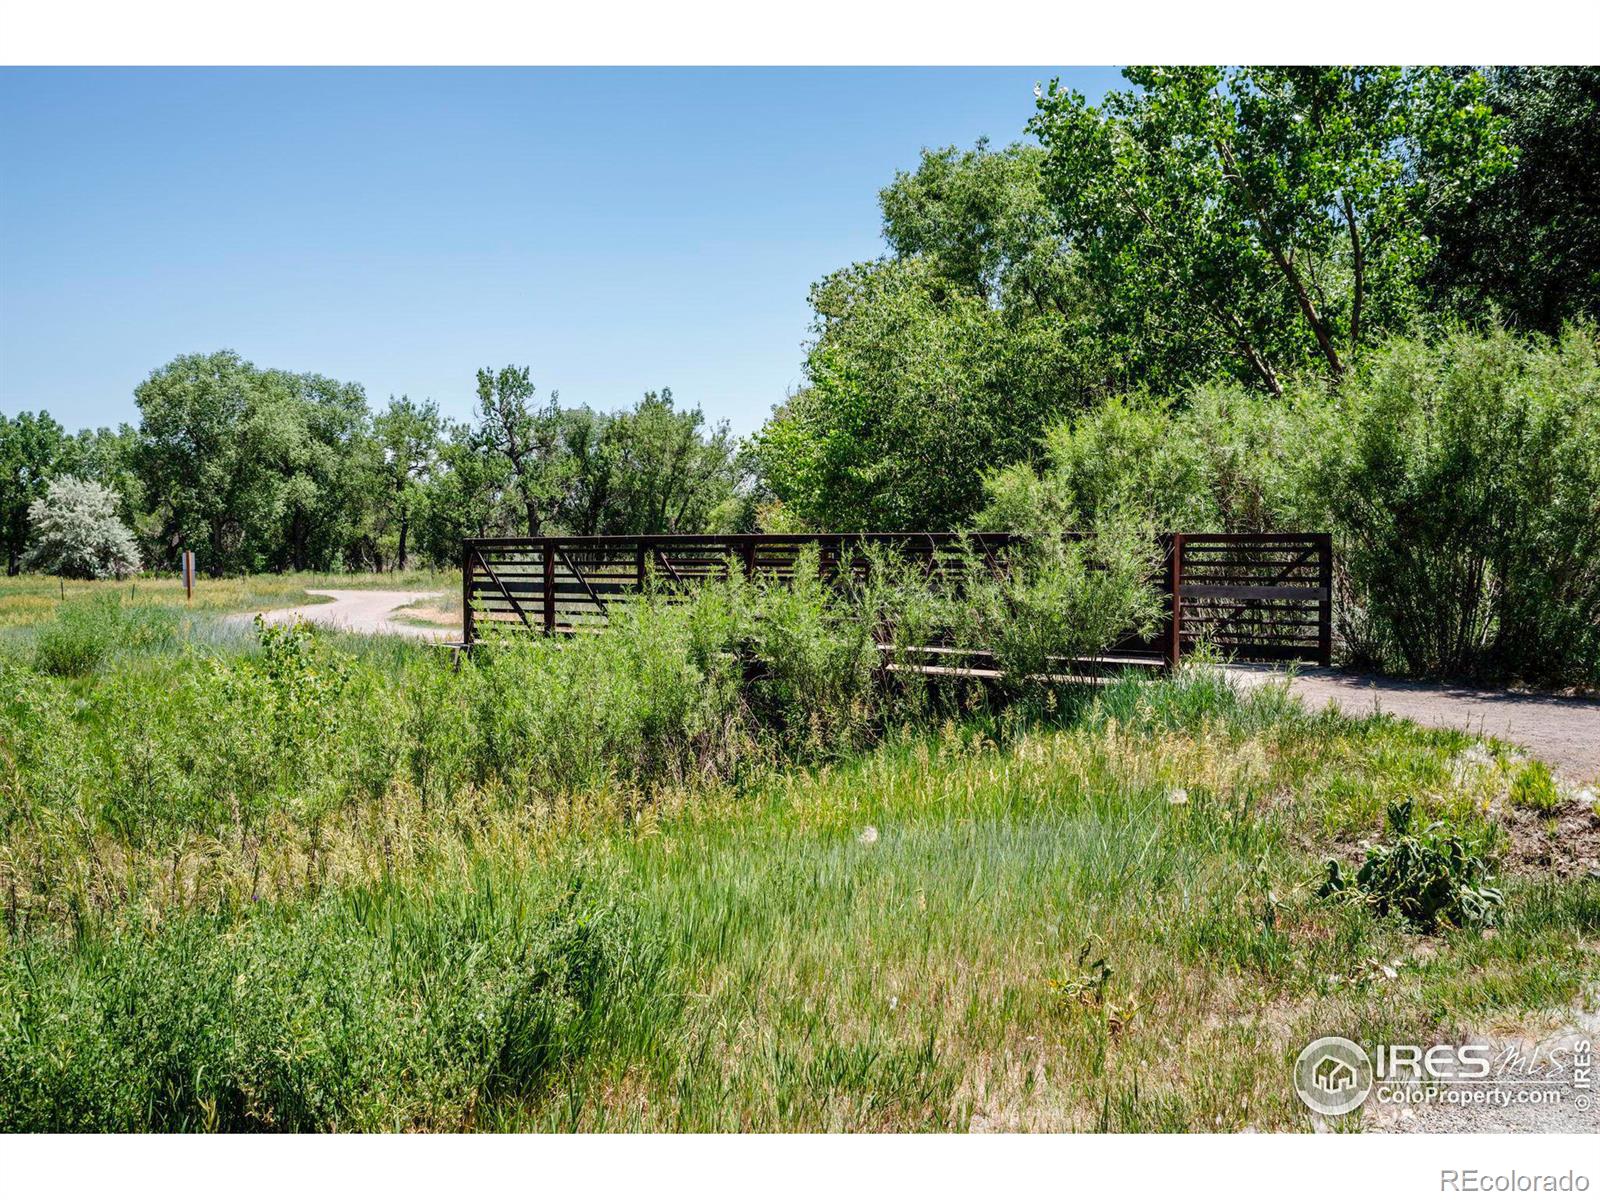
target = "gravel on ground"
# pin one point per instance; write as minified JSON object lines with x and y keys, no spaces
{"x":358,"y":610}
{"x":1561,"y":730}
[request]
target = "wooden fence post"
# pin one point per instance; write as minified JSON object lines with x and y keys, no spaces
{"x":549,"y":586}
{"x":1325,"y":605}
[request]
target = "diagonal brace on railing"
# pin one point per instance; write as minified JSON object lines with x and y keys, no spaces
{"x":504,"y":591}
{"x":578,"y":575}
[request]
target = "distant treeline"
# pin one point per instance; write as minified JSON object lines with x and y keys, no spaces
{"x":266,"y":470}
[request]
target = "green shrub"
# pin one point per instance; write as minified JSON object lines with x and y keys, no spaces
{"x":373,"y":1009}
{"x":1457,"y":475}
{"x":1462,"y":488}
{"x":1061,"y":601}
{"x":1221,"y":458}
{"x":1425,"y":877}
{"x":89,"y":629}
{"x":653,"y":697}
{"x":812,"y":680}
{"x":83,"y":633}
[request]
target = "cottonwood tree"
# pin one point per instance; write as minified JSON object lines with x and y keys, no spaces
{"x":251,"y":468}
{"x":408,"y":437}
{"x":526,"y":435}
{"x":467,"y":496}
{"x":1262,"y":219}
{"x":1525,"y":246}
{"x":196,"y":457}
{"x":653,"y":468}
{"x":31,"y":447}
{"x":944,"y":359}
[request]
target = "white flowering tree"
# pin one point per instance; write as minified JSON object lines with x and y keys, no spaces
{"x":77,"y":533}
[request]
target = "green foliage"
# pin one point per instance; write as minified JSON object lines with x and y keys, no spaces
{"x":1458,"y":476}
{"x":1525,"y":245}
{"x":1061,"y":602}
{"x":912,"y":389}
{"x":939,"y":362}
{"x":77,"y":641}
{"x":211,"y":921}
{"x":387,"y":1008}
{"x":85,"y":632}
{"x":1461,"y":479}
{"x":1425,"y":877}
{"x":1534,"y":788}
{"x":817,"y":662}
{"x":31,"y":447}
{"x":1225,"y":458}
{"x":1260,"y":220}
{"x":654,"y":699}
{"x":251,"y":468}
{"x":408,"y":435}
{"x":298,"y":684}
{"x":525,"y":436}
{"x":1083,"y":983}
{"x":653,"y":468}
{"x":465,"y":497}
{"x":76,"y":532}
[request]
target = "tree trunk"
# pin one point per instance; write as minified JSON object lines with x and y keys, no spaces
{"x":1308,"y":309}
{"x":400,"y":556}
{"x":1308,"y":306}
{"x":1358,"y":263}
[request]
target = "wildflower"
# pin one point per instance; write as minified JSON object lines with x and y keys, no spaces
{"x":1178,"y":796}
{"x":868,"y":835}
{"x":894,"y":1003}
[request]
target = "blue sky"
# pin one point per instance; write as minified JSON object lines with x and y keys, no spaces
{"x":615,"y":229}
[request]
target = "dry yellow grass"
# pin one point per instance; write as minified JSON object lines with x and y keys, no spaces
{"x":27,"y":600}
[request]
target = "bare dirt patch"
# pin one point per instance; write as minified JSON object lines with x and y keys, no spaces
{"x":1565,"y":843}
{"x":427,"y":614}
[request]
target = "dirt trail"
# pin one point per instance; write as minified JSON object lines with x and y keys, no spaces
{"x":358,"y":610}
{"x":1562,"y":731}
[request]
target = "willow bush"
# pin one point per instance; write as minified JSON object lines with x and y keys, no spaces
{"x":1460,"y":477}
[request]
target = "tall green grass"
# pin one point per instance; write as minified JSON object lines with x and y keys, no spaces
{"x":709,"y":869}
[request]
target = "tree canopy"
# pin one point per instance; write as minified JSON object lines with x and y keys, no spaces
{"x":259,"y":469}
{"x":1524,"y":246}
{"x":1262,"y":220}
{"x":77,"y":532}
{"x":939,"y":360}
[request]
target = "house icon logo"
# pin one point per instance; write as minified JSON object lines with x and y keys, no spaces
{"x":1333,"y":1076}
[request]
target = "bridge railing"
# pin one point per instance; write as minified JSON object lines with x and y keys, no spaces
{"x":1262,"y":597}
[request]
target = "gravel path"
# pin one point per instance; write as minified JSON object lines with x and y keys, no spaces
{"x":1564,"y":732}
{"x":357,"y":610}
